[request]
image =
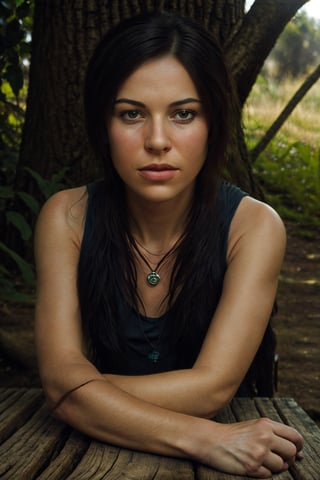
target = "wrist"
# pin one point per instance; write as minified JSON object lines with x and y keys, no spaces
{"x":194,"y":440}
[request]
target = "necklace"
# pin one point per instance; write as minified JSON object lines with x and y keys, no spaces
{"x":154,"y":354}
{"x":148,"y":251}
{"x":153,"y":277}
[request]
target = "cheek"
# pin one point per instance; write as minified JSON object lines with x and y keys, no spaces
{"x":197,"y":142}
{"x":122,"y":142}
{"x":122,"y":149}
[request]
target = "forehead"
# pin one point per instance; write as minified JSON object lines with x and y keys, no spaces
{"x":157,"y":77}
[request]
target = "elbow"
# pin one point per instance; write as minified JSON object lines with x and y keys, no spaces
{"x":212,"y":393}
{"x":52,"y":397}
{"x":217,"y":401}
{"x":57,"y":402}
{"x":54,"y":394}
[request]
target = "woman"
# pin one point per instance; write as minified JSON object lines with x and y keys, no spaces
{"x":156,"y":283}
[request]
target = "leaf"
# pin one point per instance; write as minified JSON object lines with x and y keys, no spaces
{"x":6,"y":192}
{"x":23,"y":9}
{"x":25,"y":49}
{"x":20,"y":223}
{"x":30,"y":201}
{"x":48,"y":187}
{"x":42,"y":183}
{"x":24,"y":267}
{"x":15,"y":297}
{"x":5,"y":12}
{"x":14,"y":33}
{"x":14,"y":75}
{"x":3,"y":272}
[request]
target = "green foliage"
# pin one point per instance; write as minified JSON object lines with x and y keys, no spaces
{"x":15,"y":41}
{"x":15,"y":49}
{"x":51,"y":186}
{"x":21,"y":271}
{"x":289,"y":168}
{"x":15,"y":46}
{"x":291,"y":177}
{"x":297,"y":49}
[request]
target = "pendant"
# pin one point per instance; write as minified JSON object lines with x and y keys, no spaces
{"x":153,"y":278}
{"x":154,"y":356}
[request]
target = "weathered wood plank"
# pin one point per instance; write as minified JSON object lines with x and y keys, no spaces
{"x":292,"y":414}
{"x":36,"y":446}
{"x":146,"y":467}
{"x":67,"y":458}
{"x":244,"y":409}
{"x":106,"y":461}
{"x":172,"y":469}
{"x":97,"y":462}
{"x":32,"y":446}
{"x":16,"y":407}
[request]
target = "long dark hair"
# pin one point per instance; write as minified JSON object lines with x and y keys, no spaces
{"x":107,"y":267}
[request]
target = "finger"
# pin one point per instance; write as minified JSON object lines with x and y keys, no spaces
{"x":288,"y":433}
{"x":271,"y":463}
{"x":275,"y":462}
{"x":286,"y":449}
{"x":300,"y":455}
{"x":261,"y":472}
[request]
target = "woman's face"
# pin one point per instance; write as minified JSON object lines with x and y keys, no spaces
{"x":158,"y":132}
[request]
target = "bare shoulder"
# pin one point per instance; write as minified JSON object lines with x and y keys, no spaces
{"x":255,"y":222}
{"x":64,"y":212}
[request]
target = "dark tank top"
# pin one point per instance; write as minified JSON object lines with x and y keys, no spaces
{"x":145,"y":346}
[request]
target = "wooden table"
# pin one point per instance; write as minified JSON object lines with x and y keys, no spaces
{"x":35,"y":446}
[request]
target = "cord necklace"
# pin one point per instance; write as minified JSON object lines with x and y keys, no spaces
{"x":153,"y":277}
{"x":154,"y":354}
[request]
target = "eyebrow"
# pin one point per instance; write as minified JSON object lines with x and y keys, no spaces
{"x":142,"y":105}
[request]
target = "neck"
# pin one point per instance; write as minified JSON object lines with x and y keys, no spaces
{"x":158,"y":226}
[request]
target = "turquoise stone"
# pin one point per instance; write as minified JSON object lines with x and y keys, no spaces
{"x":154,"y":356}
{"x":153,"y":279}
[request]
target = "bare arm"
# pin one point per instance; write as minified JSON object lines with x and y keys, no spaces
{"x":103,"y":410}
{"x":99,"y":408}
{"x":255,"y":254}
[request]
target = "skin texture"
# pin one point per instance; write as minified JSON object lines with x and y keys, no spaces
{"x":158,"y":139}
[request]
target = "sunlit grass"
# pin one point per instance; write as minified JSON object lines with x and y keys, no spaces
{"x":267,"y":100}
{"x":289,"y":168}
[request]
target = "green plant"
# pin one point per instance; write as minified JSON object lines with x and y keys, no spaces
{"x":22,"y":273}
{"x":291,"y":177}
{"x":15,"y":47}
{"x":289,"y":168}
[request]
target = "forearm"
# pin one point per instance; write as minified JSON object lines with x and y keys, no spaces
{"x":193,"y":391}
{"x":110,"y":415}
{"x":106,"y":413}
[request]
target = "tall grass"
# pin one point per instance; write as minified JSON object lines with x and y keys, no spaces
{"x":289,"y":168}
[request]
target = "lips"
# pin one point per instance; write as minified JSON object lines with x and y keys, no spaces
{"x":158,"y":172}
{"x":157,"y":167}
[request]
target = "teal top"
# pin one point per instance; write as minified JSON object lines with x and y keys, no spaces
{"x":145,"y":346}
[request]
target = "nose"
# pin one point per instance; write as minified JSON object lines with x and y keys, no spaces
{"x":157,"y":136}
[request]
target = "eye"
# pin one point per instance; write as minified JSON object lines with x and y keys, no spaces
{"x":130,"y":115}
{"x":184,"y":115}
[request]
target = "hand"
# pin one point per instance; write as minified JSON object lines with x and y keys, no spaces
{"x":256,"y":448}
